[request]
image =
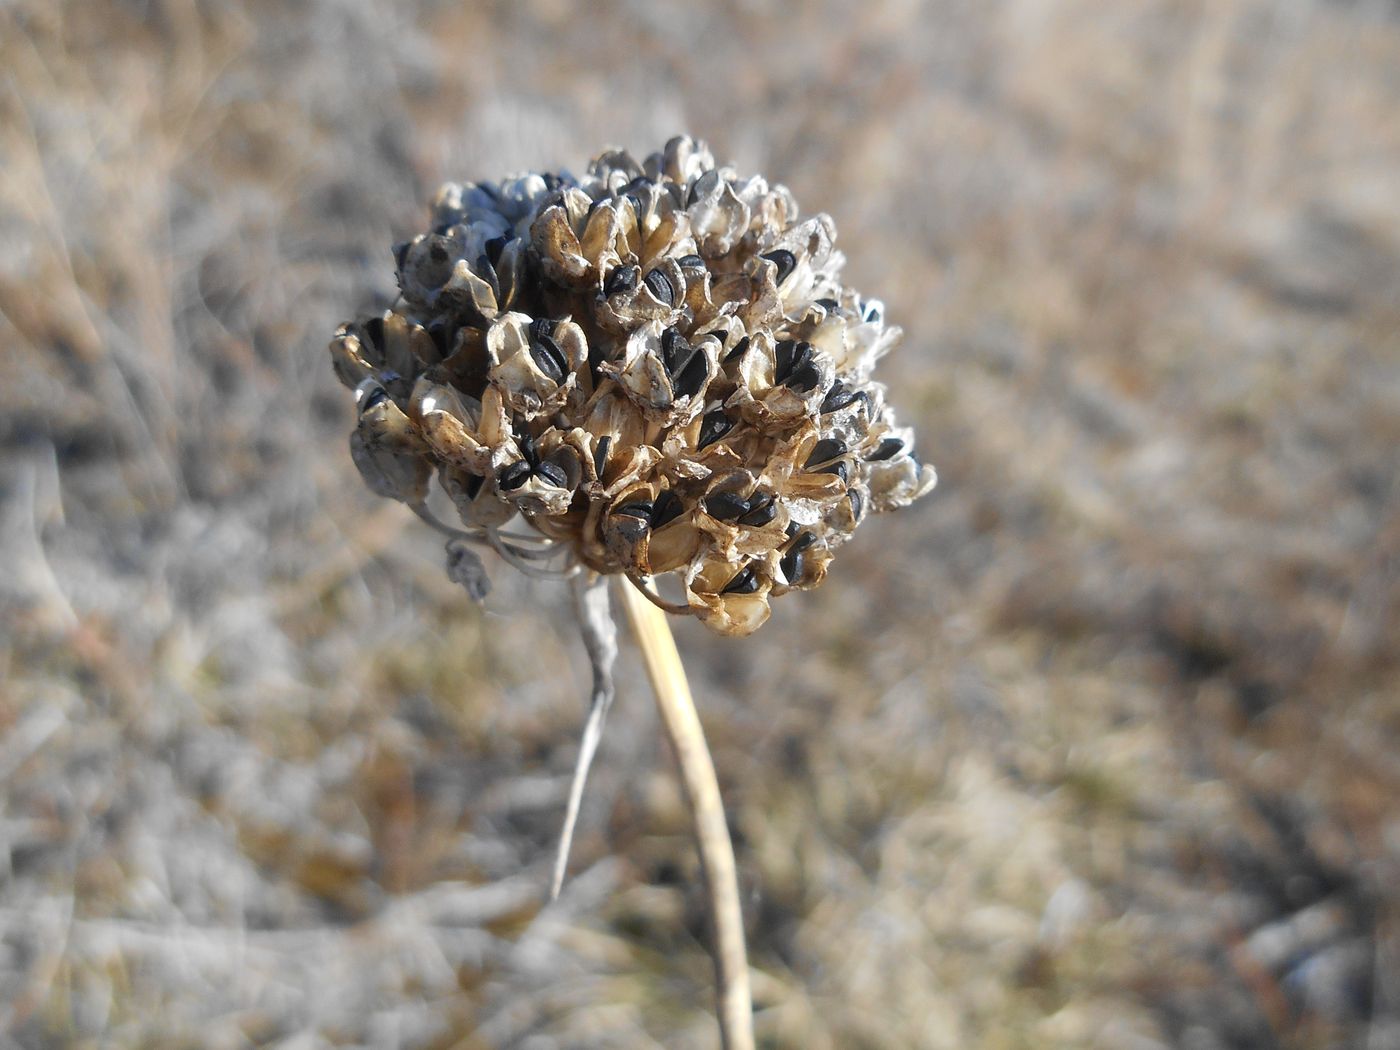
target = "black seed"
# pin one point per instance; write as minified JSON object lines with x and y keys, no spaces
{"x":660,"y":284}
{"x":762,"y":510}
{"x":823,"y":450}
{"x":744,"y":583}
{"x":804,"y":540}
{"x":790,"y":357}
{"x":725,"y":506}
{"x":379,"y":396}
{"x":640,"y":509}
{"x":872,"y":312}
{"x":887,"y":449}
{"x":738,"y":351}
{"x":714,"y":426}
{"x":595,"y":358}
{"x":622,"y":279}
{"x":838,"y":468}
{"x":692,"y":377}
{"x":374,"y":328}
{"x":804,"y":379}
{"x":638,"y":208}
{"x":692,"y":261}
{"x":640,"y":182}
{"x":784,"y":260}
{"x":550,"y":359}
{"x":783,"y":354}
{"x":600,"y":454}
{"x":400,"y":253}
{"x":541,"y":327}
{"x":791,"y":529}
{"x":483,"y":266}
{"x":437,"y":251}
{"x":473,"y":485}
{"x":513,"y":476}
{"x":794,"y":565}
{"x":494,"y":247}
{"x":828,"y":304}
{"x":839,"y":397}
{"x":551,"y":180}
{"x":442,"y":336}
{"x":857,"y":504}
{"x":527,"y":448}
{"x":667,"y":509}
{"x":553,"y":473}
{"x":675,"y":352}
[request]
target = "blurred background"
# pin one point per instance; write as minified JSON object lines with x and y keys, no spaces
{"x":1099,"y":746}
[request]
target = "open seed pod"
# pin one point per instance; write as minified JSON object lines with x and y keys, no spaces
{"x":654,"y":366}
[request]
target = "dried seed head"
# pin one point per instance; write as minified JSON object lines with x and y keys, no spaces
{"x":656,"y":365}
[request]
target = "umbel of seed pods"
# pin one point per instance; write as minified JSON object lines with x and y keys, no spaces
{"x":655,"y":365}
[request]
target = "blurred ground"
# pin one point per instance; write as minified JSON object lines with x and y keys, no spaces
{"x":1095,"y":748}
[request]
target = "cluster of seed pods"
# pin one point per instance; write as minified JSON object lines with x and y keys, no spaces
{"x":655,"y":365}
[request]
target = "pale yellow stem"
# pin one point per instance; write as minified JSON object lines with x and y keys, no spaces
{"x":663,"y":663}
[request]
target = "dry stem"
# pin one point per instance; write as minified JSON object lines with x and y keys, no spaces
{"x":663,"y":663}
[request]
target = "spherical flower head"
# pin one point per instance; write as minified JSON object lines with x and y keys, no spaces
{"x":655,"y":365}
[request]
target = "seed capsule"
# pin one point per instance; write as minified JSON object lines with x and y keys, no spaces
{"x":825,"y":449}
{"x":376,"y":397}
{"x":713,"y":427}
{"x":793,"y":365}
{"x":784,"y":260}
{"x":693,"y":376}
{"x":761,"y":510}
{"x":666,"y":509}
{"x":549,"y":358}
{"x":659,"y":282}
{"x":553,"y":473}
{"x":887,"y":449}
{"x":792,"y":562}
{"x":513,"y":476}
{"x":640,"y":509}
{"x":725,"y":506}
{"x":792,"y":565}
{"x":804,"y":379}
{"x":675,"y":351}
{"x":622,"y":279}
{"x":746,"y":582}
{"x":839,"y":397}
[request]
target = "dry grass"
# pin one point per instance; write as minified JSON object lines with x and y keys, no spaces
{"x":1097,"y":748}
